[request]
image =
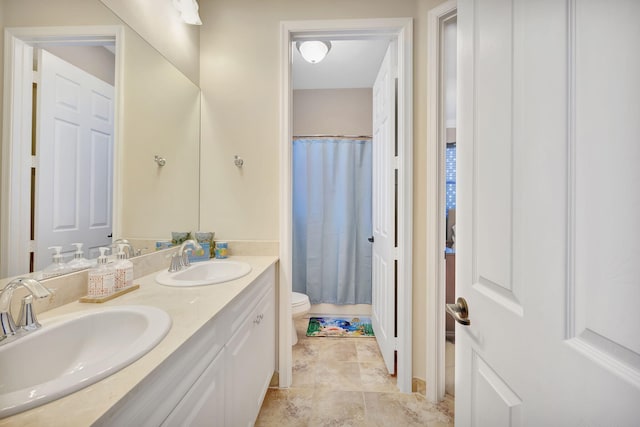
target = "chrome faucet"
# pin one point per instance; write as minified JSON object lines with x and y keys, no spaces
{"x":27,"y":318}
{"x":180,"y":259}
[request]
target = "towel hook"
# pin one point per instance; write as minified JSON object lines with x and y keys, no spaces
{"x":161,"y":161}
{"x":237,"y":160}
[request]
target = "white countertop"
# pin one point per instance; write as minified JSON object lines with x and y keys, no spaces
{"x":189,"y":308}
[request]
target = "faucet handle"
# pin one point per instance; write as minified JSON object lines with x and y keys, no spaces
{"x":27,"y":318}
{"x":185,"y":258}
{"x":7,"y":326}
{"x":176,"y":263}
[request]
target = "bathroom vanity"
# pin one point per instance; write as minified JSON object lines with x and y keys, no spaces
{"x":213,"y":367}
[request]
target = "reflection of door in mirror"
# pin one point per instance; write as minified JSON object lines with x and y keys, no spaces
{"x":74,"y":151}
{"x":71,"y":144}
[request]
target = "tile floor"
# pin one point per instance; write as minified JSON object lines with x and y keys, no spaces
{"x":343,"y":382}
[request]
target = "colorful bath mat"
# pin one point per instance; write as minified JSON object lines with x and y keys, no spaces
{"x":348,"y":327}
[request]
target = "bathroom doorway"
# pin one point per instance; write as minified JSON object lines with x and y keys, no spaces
{"x":332,"y":175}
{"x":398,"y":30}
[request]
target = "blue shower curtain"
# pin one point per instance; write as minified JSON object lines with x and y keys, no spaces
{"x":332,"y":219}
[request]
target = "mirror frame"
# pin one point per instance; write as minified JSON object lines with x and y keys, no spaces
{"x":15,"y":244}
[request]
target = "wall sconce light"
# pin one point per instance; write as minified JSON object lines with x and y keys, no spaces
{"x":188,"y":11}
{"x":313,"y":51}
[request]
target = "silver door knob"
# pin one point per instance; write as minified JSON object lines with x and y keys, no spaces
{"x":459,"y":311}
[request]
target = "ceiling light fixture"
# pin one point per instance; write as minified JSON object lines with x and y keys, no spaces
{"x":188,"y":11}
{"x":313,"y":51}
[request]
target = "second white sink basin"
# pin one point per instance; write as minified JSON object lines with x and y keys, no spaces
{"x":74,"y":351}
{"x":205,"y":273}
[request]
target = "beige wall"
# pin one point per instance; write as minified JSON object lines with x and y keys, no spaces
{"x":95,"y":60}
{"x":159,"y":23}
{"x":240,"y":115}
{"x":333,"y":112}
{"x":160,"y":114}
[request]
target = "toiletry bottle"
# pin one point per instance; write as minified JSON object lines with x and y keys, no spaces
{"x":102,"y":277}
{"x":79,"y":262}
{"x":124,"y":270}
{"x":57,"y":267}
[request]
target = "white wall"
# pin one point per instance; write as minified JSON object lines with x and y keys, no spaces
{"x":159,"y":23}
{"x":450,"y":72}
{"x":239,"y":72}
{"x":95,"y":60}
{"x":333,"y":112}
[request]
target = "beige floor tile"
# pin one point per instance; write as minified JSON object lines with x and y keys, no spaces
{"x":338,"y":350}
{"x":338,"y":408}
{"x":375,"y":377}
{"x":286,"y":408}
{"x":304,"y":373}
{"x":368,"y":350}
{"x":342,"y":376}
{"x":447,"y":406}
{"x":399,"y":409}
{"x":306,"y":350}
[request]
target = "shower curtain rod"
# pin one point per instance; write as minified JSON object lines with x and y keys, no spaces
{"x":333,"y":136}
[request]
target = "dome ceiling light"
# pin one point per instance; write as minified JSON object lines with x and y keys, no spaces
{"x":313,"y":51}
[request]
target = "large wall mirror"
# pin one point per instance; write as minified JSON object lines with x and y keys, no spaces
{"x":62,"y":183}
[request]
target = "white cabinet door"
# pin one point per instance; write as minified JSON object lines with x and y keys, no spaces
{"x":203,"y":405}
{"x":383,"y":300}
{"x":548,"y":225}
{"x":250,"y":363}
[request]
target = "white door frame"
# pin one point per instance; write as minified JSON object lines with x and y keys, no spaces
{"x":400,"y":29}
{"x":16,"y":128}
{"x":436,"y":293}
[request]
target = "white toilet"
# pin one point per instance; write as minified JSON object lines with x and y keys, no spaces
{"x":300,"y":306}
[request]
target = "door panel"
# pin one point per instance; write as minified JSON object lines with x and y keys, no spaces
{"x":383,"y":213}
{"x":547,"y":204}
{"x":496,"y":405}
{"x":64,"y":171}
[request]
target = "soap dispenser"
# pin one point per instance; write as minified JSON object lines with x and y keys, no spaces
{"x":57,"y":267}
{"x":79,"y":262}
{"x":124,"y":270}
{"x":102,"y":277}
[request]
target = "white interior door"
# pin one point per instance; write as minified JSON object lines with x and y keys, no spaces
{"x":548,"y":224}
{"x":75,"y":157}
{"x":383,"y":214}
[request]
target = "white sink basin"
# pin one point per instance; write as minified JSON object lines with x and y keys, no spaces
{"x":205,"y":273}
{"x":74,"y":351}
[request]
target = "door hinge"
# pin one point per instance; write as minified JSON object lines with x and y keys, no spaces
{"x":396,"y":253}
{"x":396,"y":342}
{"x":32,"y":246}
{"x":34,"y":162}
{"x":396,"y":162}
{"x":36,"y":77}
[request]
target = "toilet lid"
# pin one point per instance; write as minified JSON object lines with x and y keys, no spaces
{"x":297,"y":298}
